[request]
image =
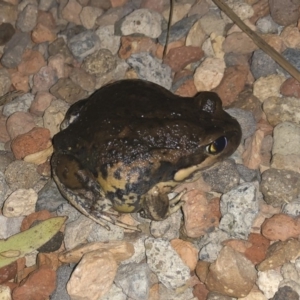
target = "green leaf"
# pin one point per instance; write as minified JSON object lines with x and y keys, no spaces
{"x":27,"y":241}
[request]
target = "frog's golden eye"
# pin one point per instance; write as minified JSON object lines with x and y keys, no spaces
{"x":217,"y":145}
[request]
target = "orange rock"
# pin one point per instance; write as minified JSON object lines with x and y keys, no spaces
{"x":187,"y":89}
{"x":259,"y":246}
{"x":116,"y":3}
{"x":238,"y":245}
{"x":31,"y":62}
{"x":180,"y":57}
{"x":200,"y":291}
{"x":281,"y":227}
{"x":8,"y":272}
{"x":36,"y":216}
{"x":48,"y":259}
{"x":238,"y":42}
{"x":202,"y":269}
{"x":131,"y":45}
{"x":232,"y":83}
{"x":41,"y":34}
{"x":187,"y":252}
{"x":175,"y":44}
{"x":261,"y":9}
{"x":38,"y":285}
{"x":200,"y":215}
{"x":72,"y":11}
{"x":33,"y":141}
{"x":20,"y":82}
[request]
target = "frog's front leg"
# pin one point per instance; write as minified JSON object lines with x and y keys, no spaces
{"x":83,"y":191}
{"x":156,"y":203}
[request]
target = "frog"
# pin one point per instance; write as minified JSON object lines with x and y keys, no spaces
{"x":126,"y":147}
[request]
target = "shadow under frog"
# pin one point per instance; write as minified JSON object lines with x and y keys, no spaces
{"x":127,"y":146}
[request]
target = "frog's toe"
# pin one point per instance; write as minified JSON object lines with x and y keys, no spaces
{"x":176,"y":202}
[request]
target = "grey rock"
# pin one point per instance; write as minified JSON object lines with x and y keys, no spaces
{"x":212,"y":22}
{"x":234,"y":59}
{"x":170,"y":294}
{"x":21,"y":175}
{"x":60,"y":47}
{"x":6,"y":157}
{"x":71,"y":31}
{"x":84,"y":44}
{"x":151,"y":69}
{"x":223,"y":177}
{"x":292,"y":208}
{"x":293,"y":57}
{"x":168,"y":228}
{"x":14,"y":49}
{"x":49,"y":198}
{"x":139,"y":249}
{"x":9,"y":226}
{"x":280,"y":186}
{"x":100,"y":234}
{"x":267,"y":25}
{"x":164,"y":261}
{"x":133,"y":279}
{"x":246,"y":120}
{"x":178,"y":30}
{"x":108,"y":40}
{"x":112,"y":15}
{"x":286,"y":292}
{"x":27,"y":18}
{"x":63,"y":275}
{"x":45,"y":5}
{"x":211,"y":244}
{"x":66,"y":209}
{"x":115,"y":293}
{"x":262,"y":64}
{"x":3,"y":189}
{"x":21,"y":103}
{"x":248,"y":175}
{"x":239,"y":207}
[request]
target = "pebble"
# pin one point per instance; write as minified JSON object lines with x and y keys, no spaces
{"x":10,"y":226}
{"x":292,"y":208}
{"x":284,"y":13}
{"x":6,"y":33}
{"x":292,"y":56}
{"x":5,"y":81}
{"x":163,"y":260}
{"x":268,"y":282}
{"x":108,"y":39}
{"x":239,"y":207}
{"x":27,"y":18}
{"x":239,"y":278}
{"x":96,"y":269}
{"x":209,"y":74}
{"x":20,"y":203}
{"x":141,"y":21}
{"x":149,"y":68}
{"x":262,"y":65}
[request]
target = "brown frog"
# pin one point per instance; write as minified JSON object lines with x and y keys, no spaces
{"x":126,"y":147}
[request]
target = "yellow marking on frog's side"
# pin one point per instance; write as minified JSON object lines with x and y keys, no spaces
{"x":124,"y":208}
{"x":110,"y":184}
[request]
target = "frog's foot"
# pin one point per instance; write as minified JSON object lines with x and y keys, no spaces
{"x":176,"y":202}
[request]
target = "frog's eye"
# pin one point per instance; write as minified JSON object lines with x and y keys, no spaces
{"x":217,"y":145}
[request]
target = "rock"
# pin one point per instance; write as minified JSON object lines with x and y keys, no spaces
{"x":232,"y":274}
{"x":178,"y":30}
{"x":44,"y":79}
{"x":9,"y":226}
{"x":292,"y":208}
{"x":290,"y":88}
{"x":267,"y":25}
{"x":38,"y":285}
{"x":285,"y":155}
{"x":81,"y":78}
{"x":96,"y":269}
{"x":281,"y":109}
{"x":141,"y":21}
{"x":108,"y":39}
{"x":266,"y":87}
{"x":262,"y":64}
{"x":72,"y":11}
{"x":200,"y":214}
{"x":165,"y":263}
{"x":180,"y":10}
{"x":89,"y":15}
{"x":291,"y":36}
{"x":268,"y":282}
{"x":292,"y":56}
{"x":286,"y":292}
{"x":196,"y":35}
{"x":232,"y":83}
{"x":179,"y":58}
{"x":239,"y":42}
{"x":6,"y":33}
{"x":60,"y":47}
{"x":19,"y":123}
{"x":211,"y":245}
{"x":134,"y":280}
{"x":5,"y":82}
{"x":280,"y":253}
{"x":239,"y":207}
{"x":212,"y":22}
{"x":14,"y":49}
{"x":284,"y":13}
{"x":100,"y":63}
{"x":84,"y":44}
{"x":27,"y":18}
{"x":209,"y":74}
{"x":20,"y":104}
{"x":149,"y":68}
{"x":20,"y":82}
{"x":8,"y":13}
{"x":20,"y":203}
{"x":131,"y":45}
{"x":280,"y":186}
{"x":40,"y":103}
{"x":67,"y":90}
{"x":21,"y":175}
{"x":187,"y":252}
{"x":281,"y":227}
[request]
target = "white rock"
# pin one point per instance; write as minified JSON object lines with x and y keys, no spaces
{"x":5,"y":293}
{"x":143,"y":21}
{"x":20,"y":203}
{"x":268,"y":282}
{"x":209,"y":74}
